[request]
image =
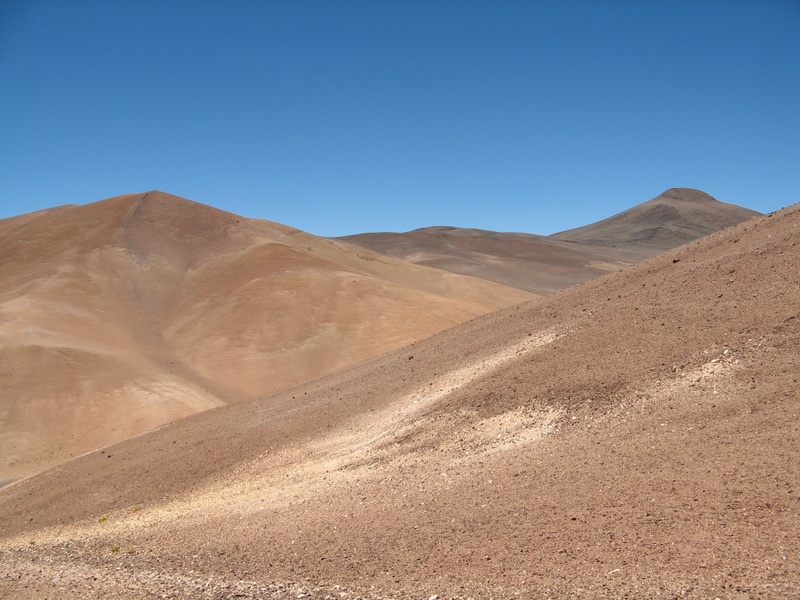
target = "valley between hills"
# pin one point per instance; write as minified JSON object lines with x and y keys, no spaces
{"x":208,"y":406}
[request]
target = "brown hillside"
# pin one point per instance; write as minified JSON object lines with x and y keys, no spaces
{"x":124,"y":314}
{"x":545,"y":264}
{"x":636,"y":436}
{"x":531,"y":262}
{"x":677,"y":216}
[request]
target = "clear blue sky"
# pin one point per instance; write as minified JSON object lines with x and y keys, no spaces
{"x":342,"y":117}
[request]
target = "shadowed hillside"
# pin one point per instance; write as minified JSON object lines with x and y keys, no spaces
{"x":124,"y":314}
{"x":634,"y":436}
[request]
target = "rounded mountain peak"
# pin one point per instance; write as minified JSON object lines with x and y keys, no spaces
{"x":688,"y":195}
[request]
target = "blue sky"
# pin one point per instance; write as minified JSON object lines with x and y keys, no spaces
{"x":342,"y":117}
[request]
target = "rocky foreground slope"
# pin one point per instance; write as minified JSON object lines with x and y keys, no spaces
{"x":636,"y":436}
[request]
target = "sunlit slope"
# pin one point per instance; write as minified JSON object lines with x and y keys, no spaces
{"x":636,"y":435}
{"x":124,"y":314}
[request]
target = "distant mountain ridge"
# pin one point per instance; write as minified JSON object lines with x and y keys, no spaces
{"x":545,"y":264}
{"x":530,"y":262}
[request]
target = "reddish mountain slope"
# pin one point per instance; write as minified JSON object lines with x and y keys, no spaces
{"x":124,"y":314}
{"x":634,"y":436}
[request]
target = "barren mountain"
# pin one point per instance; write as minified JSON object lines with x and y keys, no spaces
{"x":527,"y":261}
{"x":677,"y":216}
{"x":545,"y":264}
{"x":634,"y":436}
{"x":124,"y":314}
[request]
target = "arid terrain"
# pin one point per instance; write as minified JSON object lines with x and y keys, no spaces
{"x":545,"y":264}
{"x":124,"y":314}
{"x":633,"y":436}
